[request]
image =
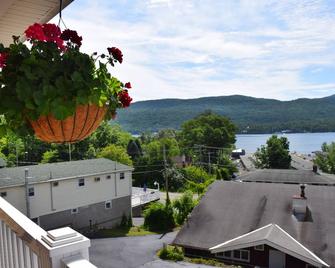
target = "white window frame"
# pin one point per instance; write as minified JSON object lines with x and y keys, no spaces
{"x":122,"y":175}
{"x":221,"y":255}
{"x":108,"y":202}
{"x":81,"y":180}
{"x":31,"y":191}
{"x":74,"y":211}
{"x":3,"y":194}
{"x":259,"y":247}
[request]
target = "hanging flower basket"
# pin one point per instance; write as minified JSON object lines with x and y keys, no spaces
{"x":74,"y":128}
{"x":53,"y":89}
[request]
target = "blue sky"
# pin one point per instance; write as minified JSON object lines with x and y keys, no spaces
{"x":193,"y":48}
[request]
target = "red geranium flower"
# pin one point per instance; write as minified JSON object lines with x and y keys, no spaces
{"x":124,"y":98}
{"x":51,"y":31}
{"x":35,"y":32}
{"x":69,"y":35}
{"x":116,"y":53}
{"x":3,"y":59}
{"x":127,"y":85}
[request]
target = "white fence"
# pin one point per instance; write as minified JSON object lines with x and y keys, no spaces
{"x":141,"y":197}
{"x":23,"y":244}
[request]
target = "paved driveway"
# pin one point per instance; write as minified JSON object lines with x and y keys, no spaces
{"x":131,"y":252}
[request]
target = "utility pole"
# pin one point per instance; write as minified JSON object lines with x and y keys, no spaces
{"x":166,"y":176}
{"x":70,"y":152}
{"x":209,"y":162}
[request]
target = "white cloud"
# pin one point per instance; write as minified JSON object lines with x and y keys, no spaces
{"x":189,"y":49}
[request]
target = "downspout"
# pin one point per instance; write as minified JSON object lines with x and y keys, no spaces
{"x":27,"y":192}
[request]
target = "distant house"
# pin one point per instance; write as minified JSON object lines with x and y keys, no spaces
{"x":263,"y":225}
{"x":289,"y":176}
{"x":77,"y":193}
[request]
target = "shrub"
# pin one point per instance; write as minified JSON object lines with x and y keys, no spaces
{"x":183,"y":206}
{"x":171,"y":253}
{"x":158,"y":217}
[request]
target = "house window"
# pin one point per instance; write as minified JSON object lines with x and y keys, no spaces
{"x":74,"y":211}
{"x":108,"y":204}
{"x":121,"y":176}
{"x":108,"y":177}
{"x":3,"y":194}
{"x":259,"y":247}
{"x":81,"y":182}
{"x":96,"y":179}
{"x":31,"y":191}
{"x":240,"y":255}
{"x":237,"y":254}
{"x":227,"y":254}
{"x":55,"y":183}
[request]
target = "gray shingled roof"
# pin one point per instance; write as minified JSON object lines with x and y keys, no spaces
{"x":287,"y":176}
{"x":275,"y":237}
{"x":231,"y":209}
{"x":44,"y":172}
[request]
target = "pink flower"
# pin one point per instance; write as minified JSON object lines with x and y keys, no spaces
{"x":3,"y":59}
{"x":115,"y":53}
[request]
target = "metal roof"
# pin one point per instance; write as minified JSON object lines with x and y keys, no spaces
{"x":231,"y":209}
{"x":59,"y":171}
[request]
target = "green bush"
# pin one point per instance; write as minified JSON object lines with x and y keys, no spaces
{"x":171,"y":253}
{"x":183,"y":206}
{"x":158,"y":217}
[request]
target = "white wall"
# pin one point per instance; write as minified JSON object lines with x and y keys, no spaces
{"x":68,"y":194}
{"x":16,"y":197}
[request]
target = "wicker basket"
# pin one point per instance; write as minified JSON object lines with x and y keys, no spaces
{"x":86,"y":119}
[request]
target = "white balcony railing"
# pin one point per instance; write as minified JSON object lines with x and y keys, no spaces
{"x":141,"y":197}
{"x":23,"y":244}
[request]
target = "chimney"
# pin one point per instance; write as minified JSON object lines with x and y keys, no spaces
{"x":315,"y":168}
{"x":299,"y":204}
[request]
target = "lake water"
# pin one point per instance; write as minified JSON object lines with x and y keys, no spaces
{"x":299,"y":142}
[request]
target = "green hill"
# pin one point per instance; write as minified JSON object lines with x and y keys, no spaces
{"x":251,"y":115}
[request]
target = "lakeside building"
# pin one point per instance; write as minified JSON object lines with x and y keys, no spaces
{"x":263,"y":225}
{"x":79,"y":194}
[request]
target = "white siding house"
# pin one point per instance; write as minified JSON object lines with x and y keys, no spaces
{"x":78,"y":193}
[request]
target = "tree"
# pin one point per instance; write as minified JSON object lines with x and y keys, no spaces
{"x":183,"y":206}
{"x":50,"y":156}
{"x":326,"y":159}
{"x":133,"y":150}
{"x":275,"y":154}
{"x":116,"y":153}
{"x":159,"y":217}
{"x":208,"y":129}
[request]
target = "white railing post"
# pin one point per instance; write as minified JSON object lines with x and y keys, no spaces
{"x":23,"y":244}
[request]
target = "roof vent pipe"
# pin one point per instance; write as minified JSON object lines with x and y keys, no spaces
{"x":299,"y":202}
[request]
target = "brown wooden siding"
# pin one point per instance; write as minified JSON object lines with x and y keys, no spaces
{"x":257,"y":258}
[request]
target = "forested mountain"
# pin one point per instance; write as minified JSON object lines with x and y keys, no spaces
{"x":251,"y":115}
